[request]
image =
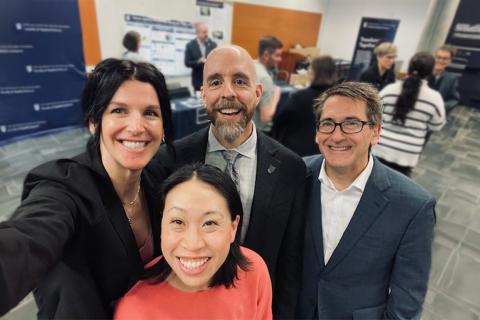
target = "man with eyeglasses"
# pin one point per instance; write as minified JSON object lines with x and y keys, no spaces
{"x":368,"y":229}
{"x":443,"y":81}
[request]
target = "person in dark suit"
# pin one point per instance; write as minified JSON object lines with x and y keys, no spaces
{"x":369,"y":229}
{"x":294,"y":122}
{"x":196,"y":52}
{"x":381,"y":73}
{"x":86,"y":226}
{"x":270,"y":178}
{"x":443,"y":81}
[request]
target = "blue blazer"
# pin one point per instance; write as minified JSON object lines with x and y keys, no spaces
{"x":380,"y":267}
{"x":447,"y":85}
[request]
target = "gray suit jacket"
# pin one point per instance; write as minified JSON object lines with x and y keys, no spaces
{"x":276,"y":224}
{"x":381,"y":266}
{"x":447,"y":85}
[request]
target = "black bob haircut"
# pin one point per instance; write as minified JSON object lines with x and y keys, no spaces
{"x":219,"y":180}
{"x":104,"y":81}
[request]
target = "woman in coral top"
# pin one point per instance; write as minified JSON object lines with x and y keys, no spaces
{"x":203,"y":273}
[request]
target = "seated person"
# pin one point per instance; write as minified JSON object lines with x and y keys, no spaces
{"x":381,"y":72}
{"x":203,"y":273}
{"x":443,"y":81}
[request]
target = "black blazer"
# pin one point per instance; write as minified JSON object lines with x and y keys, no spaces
{"x":294,"y":123}
{"x":372,"y":75}
{"x":276,"y":224}
{"x":192,"y":54}
{"x":70,"y":239}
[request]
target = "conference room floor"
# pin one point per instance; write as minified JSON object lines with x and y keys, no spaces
{"x":449,"y":168}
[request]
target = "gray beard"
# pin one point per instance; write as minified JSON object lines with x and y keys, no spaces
{"x":230,"y":132}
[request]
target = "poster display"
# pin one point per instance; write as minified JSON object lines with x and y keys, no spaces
{"x":42,"y":67}
{"x":464,"y":34}
{"x":215,"y":14}
{"x":372,"y":32}
{"x":163,"y":42}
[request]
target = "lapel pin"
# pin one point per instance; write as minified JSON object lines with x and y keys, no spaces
{"x":271,"y":169}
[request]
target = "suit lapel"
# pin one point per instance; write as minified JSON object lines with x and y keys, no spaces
{"x":268,"y":167}
{"x":116,"y":214}
{"x":314,"y":212}
{"x":370,"y":206}
{"x":193,"y":148}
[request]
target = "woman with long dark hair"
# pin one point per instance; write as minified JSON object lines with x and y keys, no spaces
{"x":86,"y":226}
{"x":411,"y":111}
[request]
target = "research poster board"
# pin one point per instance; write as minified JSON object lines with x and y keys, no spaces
{"x":163,"y":42}
{"x":217,"y":15}
{"x":372,"y":31}
{"x":464,"y":34}
{"x":42,"y":67}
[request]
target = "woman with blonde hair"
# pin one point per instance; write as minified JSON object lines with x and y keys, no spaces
{"x":381,"y":72}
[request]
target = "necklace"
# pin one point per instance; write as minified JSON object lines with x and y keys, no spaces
{"x":132,"y":203}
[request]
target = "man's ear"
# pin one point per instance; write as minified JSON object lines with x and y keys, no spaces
{"x":92,"y":127}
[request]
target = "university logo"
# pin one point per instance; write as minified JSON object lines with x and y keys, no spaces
{"x":36,"y":107}
{"x":29,"y":68}
{"x":18,"y":25}
{"x":3,"y":128}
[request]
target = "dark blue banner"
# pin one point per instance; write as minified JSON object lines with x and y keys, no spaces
{"x":372,"y":32}
{"x":42,"y":66}
{"x":464,"y":34}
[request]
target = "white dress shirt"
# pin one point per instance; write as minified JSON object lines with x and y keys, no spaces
{"x":246,"y":167}
{"x":338,"y":207}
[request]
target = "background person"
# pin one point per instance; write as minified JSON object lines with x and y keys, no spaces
{"x":269,"y":177}
{"x":382,"y":72}
{"x":131,"y":42}
{"x":443,"y":81}
{"x":411,"y":111}
{"x":196,"y":52}
{"x":203,"y":272}
{"x":368,"y":229}
{"x":269,"y":56}
{"x":294,"y":123}
{"x":86,"y":226}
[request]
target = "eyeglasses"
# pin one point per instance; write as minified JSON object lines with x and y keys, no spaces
{"x":347,"y":126}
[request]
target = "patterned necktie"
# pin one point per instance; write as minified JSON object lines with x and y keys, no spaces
{"x":231,"y":157}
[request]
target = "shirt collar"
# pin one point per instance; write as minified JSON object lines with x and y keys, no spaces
{"x":359,"y":183}
{"x":246,"y":149}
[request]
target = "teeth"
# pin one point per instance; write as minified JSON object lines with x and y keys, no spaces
{"x":193,"y":264}
{"x":337,"y":148}
{"x":133,"y":144}
{"x":229,"y":111}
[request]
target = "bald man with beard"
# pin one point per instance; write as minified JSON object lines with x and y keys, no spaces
{"x":270,"y":178}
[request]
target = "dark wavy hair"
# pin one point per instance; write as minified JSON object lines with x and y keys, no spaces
{"x":270,"y":44}
{"x":421,"y":66}
{"x":219,"y":180}
{"x":104,"y":81}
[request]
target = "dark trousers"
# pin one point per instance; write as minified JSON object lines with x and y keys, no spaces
{"x":405,"y":170}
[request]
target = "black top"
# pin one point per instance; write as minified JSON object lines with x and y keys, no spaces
{"x":70,"y":239}
{"x":372,"y":75}
{"x":294,"y":123}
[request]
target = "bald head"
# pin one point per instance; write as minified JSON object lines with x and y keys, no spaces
{"x":230,"y":93}
{"x":230,"y":55}
{"x":201,"y":29}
